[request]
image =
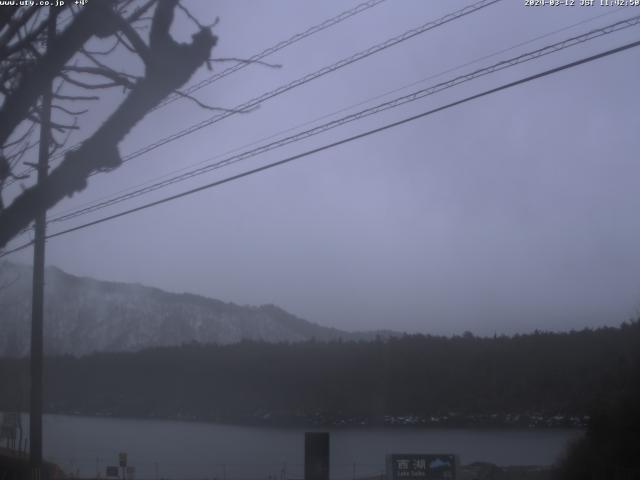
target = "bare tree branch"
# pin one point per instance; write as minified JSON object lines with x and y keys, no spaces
{"x":105,"y":52}
{"x":58,"y":145}
{"x":6,"y":15}
{"x":209,"y":107}
{"x":14,"y":27}
{"x":89,"y":86}
{"x":69,"y":112}
{"x":116,"y":77}
{"x":100,"y":64}
{"x":77,"y":98}
{"x":92,"y":20}
{"x":169,"y":65}
{"x":122,"y":41}
{"x":19,"y":139}
{"x":15,"y":158}
{"x":54,"y":125}
{"x":195,"y":20}
{"x":137,"y":44}
{"x":24,"y":42}
{"x":137,"y":15}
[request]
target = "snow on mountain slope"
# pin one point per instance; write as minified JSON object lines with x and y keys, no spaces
{"x":84,"y":315}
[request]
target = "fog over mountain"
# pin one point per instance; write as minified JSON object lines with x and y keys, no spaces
{"x":84,"y":315}
{"x":514,"y":212}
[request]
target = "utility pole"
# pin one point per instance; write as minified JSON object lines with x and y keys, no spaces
{"x":37,"y":302}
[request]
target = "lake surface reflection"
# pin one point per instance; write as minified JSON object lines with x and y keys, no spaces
{"x":173,"y":449}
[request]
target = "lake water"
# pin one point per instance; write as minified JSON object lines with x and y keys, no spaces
{"x":173,"y":449}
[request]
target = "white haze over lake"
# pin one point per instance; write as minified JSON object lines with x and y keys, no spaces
{"x":171,"y":449}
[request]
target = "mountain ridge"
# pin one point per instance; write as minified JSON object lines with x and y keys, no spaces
{"x":85,"y":315}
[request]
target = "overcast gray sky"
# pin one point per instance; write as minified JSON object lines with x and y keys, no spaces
{"x":515,"y":212}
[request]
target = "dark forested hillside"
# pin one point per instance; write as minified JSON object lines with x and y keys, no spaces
{"x":538,"y":379}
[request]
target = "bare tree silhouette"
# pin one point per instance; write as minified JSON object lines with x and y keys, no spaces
{"x":28,"y":66}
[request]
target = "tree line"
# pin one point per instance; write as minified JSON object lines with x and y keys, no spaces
{"x":421,"y":377}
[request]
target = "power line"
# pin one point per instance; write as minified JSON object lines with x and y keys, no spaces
{"x":256,"y":101}
{"x":339,"y":142}
{"x":279,"y":46}
{"x":341,"y":110}
{"x":319,"y":73}
{"x":362,"y":7}
{"x":402,"y":100}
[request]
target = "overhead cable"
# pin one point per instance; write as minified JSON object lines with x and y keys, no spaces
{"x":336,"y":143}
{"x":402,"y":100}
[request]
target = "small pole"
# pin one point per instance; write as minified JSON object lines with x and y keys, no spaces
{"x":37,"y":305}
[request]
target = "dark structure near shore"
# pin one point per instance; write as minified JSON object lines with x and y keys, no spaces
{"x":316,"y":456}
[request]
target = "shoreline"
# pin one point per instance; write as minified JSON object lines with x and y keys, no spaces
{"x":342,"y":424}
{"x":18,"y":462}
